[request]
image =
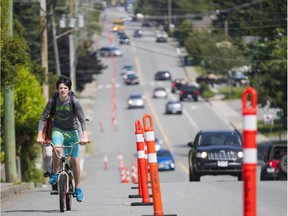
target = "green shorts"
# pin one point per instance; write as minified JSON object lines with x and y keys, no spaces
{"x":66,"y":138}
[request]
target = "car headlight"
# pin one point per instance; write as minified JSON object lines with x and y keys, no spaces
{"x":240,"y":154}
{"x":202,"y":155}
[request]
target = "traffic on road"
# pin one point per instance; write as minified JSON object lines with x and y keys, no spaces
{"x":115,"y":107}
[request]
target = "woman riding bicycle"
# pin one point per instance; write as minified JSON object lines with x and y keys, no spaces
{"x":65,"y":129}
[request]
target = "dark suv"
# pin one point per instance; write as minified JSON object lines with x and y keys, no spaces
{"x":177,"y":84}
{"x":275,"y":167}
{"x":216,"y":152}
{"x":188,"y":91}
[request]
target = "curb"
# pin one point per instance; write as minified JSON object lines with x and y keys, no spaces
{"x":10,"y":189}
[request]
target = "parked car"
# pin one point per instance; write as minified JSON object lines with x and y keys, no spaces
{"x":136,"y":101}
{"x":159,"y":92}
{"x":275,"y":167}
{"x":173,"y":107}
{"x":215,"y":152}
{"x":176,"y":84}
{"x":163,"y":75}
{"x":131,"y":79}
{"x":211,"y":79}
{"x":165,"y":160}
{"x":109,"y":51}
{"x":238,"y":78}
{"x":138,"y":33}
{"x":188,"y":92}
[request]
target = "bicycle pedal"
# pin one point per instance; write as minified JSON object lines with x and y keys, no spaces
{"x":54,"y":193}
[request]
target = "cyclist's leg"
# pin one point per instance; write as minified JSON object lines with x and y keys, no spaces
{"x":70,"y":138}
{"x":74,"y":137}
{"x":57,"y":140}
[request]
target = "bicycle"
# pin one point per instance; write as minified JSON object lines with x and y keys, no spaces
{"x":64,"y":186}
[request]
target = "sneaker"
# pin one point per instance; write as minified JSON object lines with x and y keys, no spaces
{"x":79,"y":194}
{"x":47,"y":174}
{"x":53,"y":179}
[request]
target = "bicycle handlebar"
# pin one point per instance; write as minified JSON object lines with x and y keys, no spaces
{"x":64,"y":147}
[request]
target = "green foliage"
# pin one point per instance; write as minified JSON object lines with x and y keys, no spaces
{"x":13,"y":56}
{"x":29,"y":104}
{"x":258,"y":18}
{"x":212,"y":52}
{"x":230,"y":92}
{"x":4,"y":21}
{"x":205,"y":91}
{"x":182,"y":31}
{"x":269,"y":72}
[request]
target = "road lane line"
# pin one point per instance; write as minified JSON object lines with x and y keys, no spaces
{"x":137,"y":62}
{"x":158,"y":122}
{"x":183,"y":167}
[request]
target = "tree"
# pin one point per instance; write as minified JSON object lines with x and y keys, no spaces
{"x":15,"y":57}
{"x":213,"y":52}
{"x":269,"y":72}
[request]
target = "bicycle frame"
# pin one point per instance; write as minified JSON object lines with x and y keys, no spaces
{"x":63,"y":188}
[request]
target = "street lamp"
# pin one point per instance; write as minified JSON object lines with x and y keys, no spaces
{"x":73,"y":25}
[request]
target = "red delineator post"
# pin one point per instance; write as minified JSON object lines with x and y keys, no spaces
{"x":141,"y":161}
{"x":249,"y":150}
{"x":153,"y":165}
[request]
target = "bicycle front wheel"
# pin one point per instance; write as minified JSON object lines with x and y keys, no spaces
{"x":69,"y":196}
{"x":62,"y":192}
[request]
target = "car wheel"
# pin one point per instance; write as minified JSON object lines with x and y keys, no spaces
{"x":240,"y":177}
{"x":263,"y":176}
{"x":193,"y":176}
{"x":283,"y":164}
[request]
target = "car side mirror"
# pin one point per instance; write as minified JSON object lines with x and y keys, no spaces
{"x":190,"y":144}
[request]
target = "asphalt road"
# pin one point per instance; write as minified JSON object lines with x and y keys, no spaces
{"x":111,"y":129}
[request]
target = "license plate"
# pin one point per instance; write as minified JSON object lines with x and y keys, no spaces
{"x":222,"y":163}
{"x":270,"y":169}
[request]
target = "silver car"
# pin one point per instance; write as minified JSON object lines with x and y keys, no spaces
{"x":159,"y":92}
{"x":173,"y":107}
{"x":136,"y":101}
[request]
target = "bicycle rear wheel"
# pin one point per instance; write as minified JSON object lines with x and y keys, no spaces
{"x":62,"y":192}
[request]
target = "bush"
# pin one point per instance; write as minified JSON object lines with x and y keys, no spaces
{"x":232,"y":92}
{"x":205,"y":91}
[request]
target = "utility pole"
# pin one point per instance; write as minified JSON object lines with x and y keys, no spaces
{"x":72,"y":50}
{"x":169,"y":14}
{"x":44,"y":47}
{"x":9,"y":117}
{"x":55,"y":44}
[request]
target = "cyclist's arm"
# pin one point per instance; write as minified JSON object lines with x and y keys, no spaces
{"x":42,"y":121}
{"x":82,"y":119}
{"x":80,"y":114}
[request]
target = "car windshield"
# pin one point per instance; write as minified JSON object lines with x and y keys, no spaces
{"x":162,"y":153}
{"x":174,"y":104}
{"x":131,"y":76}
{"x":219,"y":139}
{"x":135,"y":96}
